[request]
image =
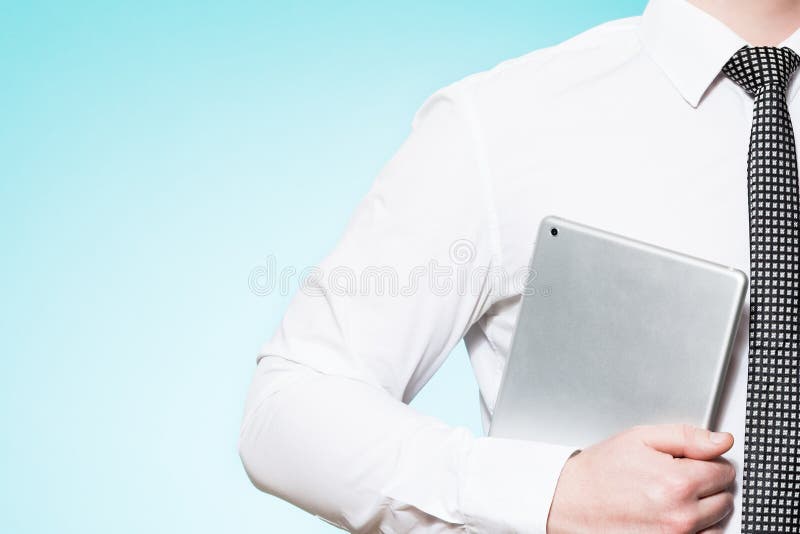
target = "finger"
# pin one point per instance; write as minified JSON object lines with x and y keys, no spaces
{"x":685,"y":441}
{"x":709,"y":476}
{"x":713,"y":509}
{"x":711,"y":530}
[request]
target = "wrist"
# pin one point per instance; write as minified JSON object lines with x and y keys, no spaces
{"x":556,"y":521}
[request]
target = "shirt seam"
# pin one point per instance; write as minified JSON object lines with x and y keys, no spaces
{"x":484,"y":171}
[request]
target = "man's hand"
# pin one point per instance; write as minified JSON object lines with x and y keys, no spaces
{"x":661,"y":478}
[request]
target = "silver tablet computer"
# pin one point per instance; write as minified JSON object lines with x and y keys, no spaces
{"x":613,"y":332}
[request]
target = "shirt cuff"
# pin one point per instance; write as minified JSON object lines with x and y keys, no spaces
{"x":508,"y":485}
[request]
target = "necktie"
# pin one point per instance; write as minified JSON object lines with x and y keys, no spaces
{"x":771,"y":492}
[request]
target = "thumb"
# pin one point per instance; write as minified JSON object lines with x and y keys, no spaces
{"x":685,"y":441}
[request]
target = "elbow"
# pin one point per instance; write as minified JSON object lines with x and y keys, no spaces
{"x":246,"y":457}
{"x":265,"y":444}
{"x":250,"y":448}
{"x":264,"y":454}
{"x":259,"y":444}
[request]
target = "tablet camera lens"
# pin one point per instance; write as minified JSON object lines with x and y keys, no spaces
{"x":554,"y":231}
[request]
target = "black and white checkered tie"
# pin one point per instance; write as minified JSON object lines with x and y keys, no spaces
{"x":771,"y":493}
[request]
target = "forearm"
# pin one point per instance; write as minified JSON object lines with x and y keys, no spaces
{"x":349,"y":452}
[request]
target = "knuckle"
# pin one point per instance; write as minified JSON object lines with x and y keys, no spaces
{"x":678,"y":488}
{"x":630,"y":435}
{"x":686,"y":431}
{"x":727,"y":502}
{"x":724,"y":471}
{"x":636,"y":430}
{"x":680,"y":522}
{"x":730,"y":473}
{"x":669,"y":491}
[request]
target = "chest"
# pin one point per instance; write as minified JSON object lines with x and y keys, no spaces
{"x":676,"y":178}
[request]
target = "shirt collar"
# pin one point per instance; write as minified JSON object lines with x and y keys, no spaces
{"x":691,"y":46}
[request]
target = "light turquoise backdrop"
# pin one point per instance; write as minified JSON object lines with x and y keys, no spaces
{"x":152,"y":154}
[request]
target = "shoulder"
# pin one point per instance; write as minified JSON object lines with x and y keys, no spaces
{"x":587,"y":55}
{"x":598,"y":48}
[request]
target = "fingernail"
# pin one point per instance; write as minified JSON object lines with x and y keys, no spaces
{"x":718,"y":437}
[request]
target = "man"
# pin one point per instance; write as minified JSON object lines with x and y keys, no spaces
{"x":641,"y":126}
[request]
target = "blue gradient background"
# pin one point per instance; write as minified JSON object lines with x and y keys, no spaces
{"x":151,"y":155}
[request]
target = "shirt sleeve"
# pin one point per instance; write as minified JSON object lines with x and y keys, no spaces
{"x":327,"y":426}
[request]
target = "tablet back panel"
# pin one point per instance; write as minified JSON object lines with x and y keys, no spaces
{"x":613,"y":332}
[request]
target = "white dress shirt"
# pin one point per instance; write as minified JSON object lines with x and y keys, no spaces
{"x":629,"y":127}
